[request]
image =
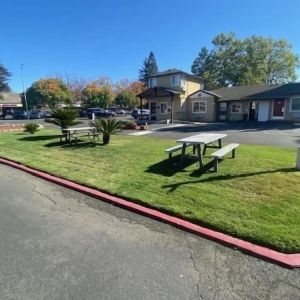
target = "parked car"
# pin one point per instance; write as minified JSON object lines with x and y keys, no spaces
{"x":121,"y":111}
{"x":35,"y":114}
{"x":100,"y":113}
{"x":46,"y":114}
{"x":137,"y":113}
{"x":20,"y":114}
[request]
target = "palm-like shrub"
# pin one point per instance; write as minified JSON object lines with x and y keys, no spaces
{"x":63,"y":117}
{"x":31,"y":127}
{"x":107,"y":127}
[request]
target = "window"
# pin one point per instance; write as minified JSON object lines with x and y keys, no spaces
{"x":163,"y":108}
{"x":295,"y":104}
{"x":236,"y":108}
{"x":152,"y":82}
{"x":199,"y":107}
{"x":175,"y":80}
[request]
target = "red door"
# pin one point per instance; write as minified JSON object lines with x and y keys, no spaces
{"x":278,"y":108}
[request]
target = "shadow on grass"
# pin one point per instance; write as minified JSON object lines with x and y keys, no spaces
{"x":172,"y":187}
{"x":169,"y":168}
{"x":73,"y":146}
{"x":36,"y":138}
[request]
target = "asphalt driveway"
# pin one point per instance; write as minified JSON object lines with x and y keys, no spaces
{"x":59,"y":244}
{"x":264,"y":133}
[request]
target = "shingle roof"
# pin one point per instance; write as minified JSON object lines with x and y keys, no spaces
{"x":175,"y":71}
{"x":257,"y":92}
{"x":10,"y":98}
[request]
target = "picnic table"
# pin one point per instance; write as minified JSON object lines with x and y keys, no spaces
{"x":74,"y":130}
{"x":206,"y":139}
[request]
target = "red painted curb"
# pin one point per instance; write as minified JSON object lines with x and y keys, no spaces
{"x":287,"y":260}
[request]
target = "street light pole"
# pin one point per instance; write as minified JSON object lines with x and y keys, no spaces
{"x":24,"y":93}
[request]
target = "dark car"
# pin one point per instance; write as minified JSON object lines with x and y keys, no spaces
{"x":100,"y":113}
{"x":35,"y":114}
{"x":137,"y":113}
{"x":19,"y":115}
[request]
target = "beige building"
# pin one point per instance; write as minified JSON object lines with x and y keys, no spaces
{"x":9,"y":101}
{"x":177,"y":95}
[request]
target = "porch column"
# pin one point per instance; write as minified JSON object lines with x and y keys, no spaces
{"x":172,"y":96}
{"x":149,"y":107}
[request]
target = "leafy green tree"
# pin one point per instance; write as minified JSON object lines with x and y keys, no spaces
{"x":97,"y":96}
{"x":126,"y":99}
{"x":4,"y":77}
{"x":149,"y":67}
{"x":49,"y":92}
{"x":254,"y":60}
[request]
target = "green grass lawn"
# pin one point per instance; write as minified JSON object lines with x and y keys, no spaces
{"x":256,"y":196}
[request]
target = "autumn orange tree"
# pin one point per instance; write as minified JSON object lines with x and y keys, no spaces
{"x":49,"y":92}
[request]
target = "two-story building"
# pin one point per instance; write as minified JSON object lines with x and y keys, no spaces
{"x":171,"y":95}
{"x":177,"y":95}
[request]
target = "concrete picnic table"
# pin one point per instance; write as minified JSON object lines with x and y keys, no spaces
{"x":72,"y":130}
{"x":201,"y":139}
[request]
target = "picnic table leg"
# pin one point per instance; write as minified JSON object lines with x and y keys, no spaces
{"x":204,"y":149}
{"x":200,"y":157}
{"x":182,"y":153}
{"x":220,"y":143}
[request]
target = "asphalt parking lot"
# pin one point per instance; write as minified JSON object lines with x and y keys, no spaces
{"x":269,"y":133}
{"x":263,"y":133}
{"x":59,"y":244}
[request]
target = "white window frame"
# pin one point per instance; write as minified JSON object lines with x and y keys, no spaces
{"x":201,"y":102}
{"x":176,"y":83}
{"x":160,"y":104}
{"x":236,"y":112}
{"x":152,"y":82}
{"x":291,"y":104}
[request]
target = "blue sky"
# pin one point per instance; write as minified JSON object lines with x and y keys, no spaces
{"x":91,"y":38}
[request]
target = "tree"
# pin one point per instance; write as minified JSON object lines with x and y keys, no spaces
{"x":149,"y":67}
{"x":254,"y":60}
{"x":97,"y":96}
{"x":63,"y":117}
{"x":49,"y":92}
{"x":107,"y":127}
{"x":126,"y":99}
{"x":4,"y":77}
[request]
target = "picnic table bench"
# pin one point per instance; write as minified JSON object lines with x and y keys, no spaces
{"x":217,"y":155}
{"x":173,"y":149}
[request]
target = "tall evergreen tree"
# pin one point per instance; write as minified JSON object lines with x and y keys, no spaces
{"x":149,"y":67}
{"x":4,"y":77}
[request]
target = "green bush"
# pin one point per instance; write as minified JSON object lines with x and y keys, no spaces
{"x":107,"y":127}
{"x":129,"y":125}
{"x":31,"y":127}
{"x":63,"y":117}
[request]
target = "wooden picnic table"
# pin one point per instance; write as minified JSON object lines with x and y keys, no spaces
{"x":206,"y":139}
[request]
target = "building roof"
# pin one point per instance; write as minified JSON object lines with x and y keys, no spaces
{"x":158,"y":91}
{"x":10,"y":98}
{"x":175,"y":71}
{"x":257,"y":92}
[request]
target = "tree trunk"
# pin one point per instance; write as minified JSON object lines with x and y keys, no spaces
{"x":106,"y":138}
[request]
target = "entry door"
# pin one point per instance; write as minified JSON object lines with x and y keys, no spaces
{"x":153,"y":110}
{"x":278,"y":108}
{"x":263,"y":111}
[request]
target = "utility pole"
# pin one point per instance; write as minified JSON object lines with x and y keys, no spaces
{"x":24,"y":93}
